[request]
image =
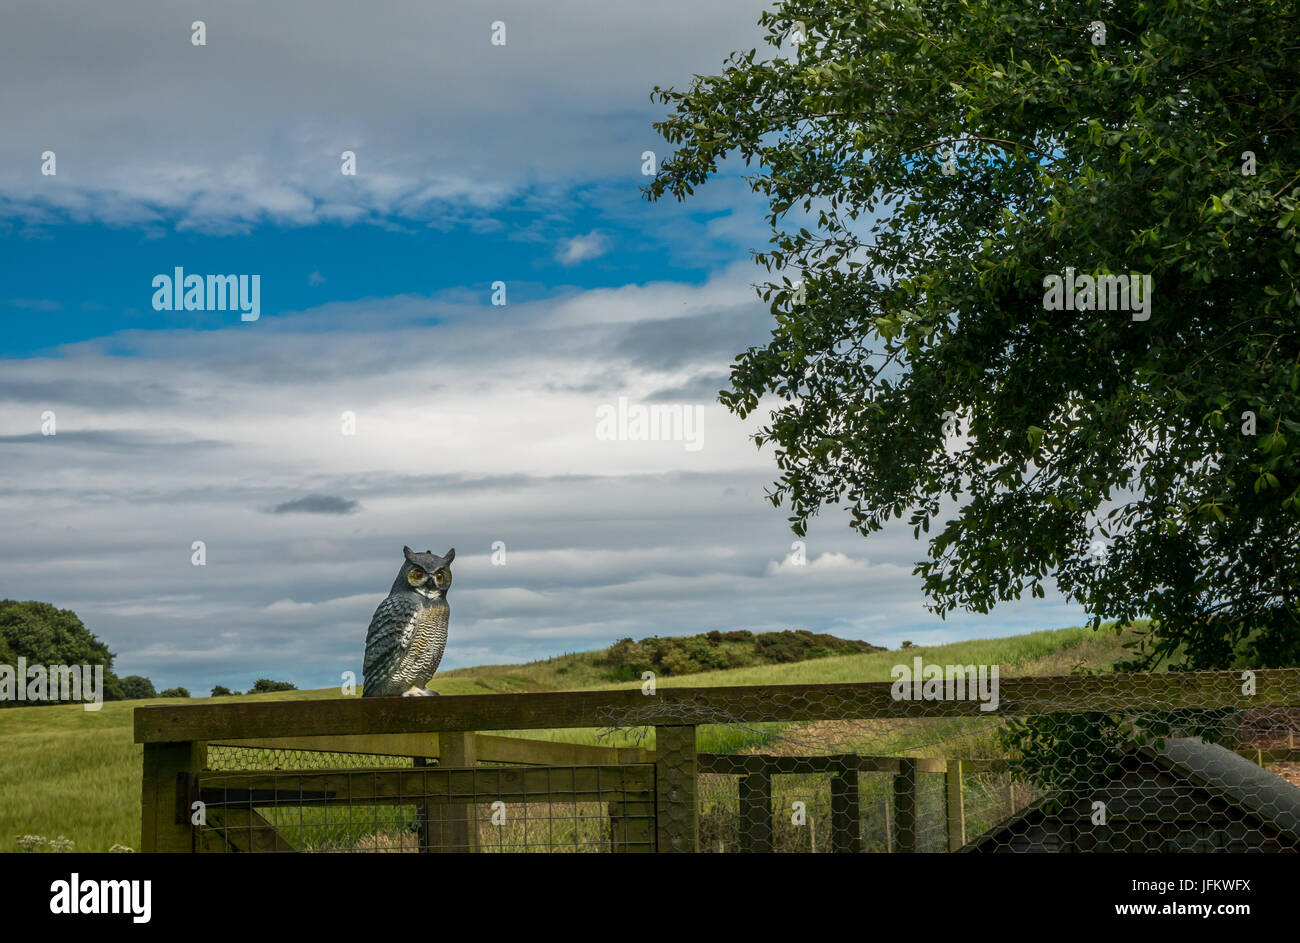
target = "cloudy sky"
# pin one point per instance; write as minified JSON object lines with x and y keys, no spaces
{"x":475,"y":425}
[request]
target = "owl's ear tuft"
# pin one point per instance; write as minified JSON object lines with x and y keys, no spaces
{"x":450,"y":555}
{"x":408,"y":552}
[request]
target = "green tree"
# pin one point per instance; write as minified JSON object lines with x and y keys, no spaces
{"x":265,"y":685}
{"x":45,"y":635}
{"x":928,"y":165}
{"x":175,"y":692}
{"x":137,"y":687}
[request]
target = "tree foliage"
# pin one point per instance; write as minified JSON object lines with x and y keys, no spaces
{"x":266,"y":686}
{"x":43,"y":634}
{"x":1148,"y":467}
{"x":137,"y":687}
{"x":626,"y":659}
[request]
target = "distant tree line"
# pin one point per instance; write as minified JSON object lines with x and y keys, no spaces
{"x":43,"y":634}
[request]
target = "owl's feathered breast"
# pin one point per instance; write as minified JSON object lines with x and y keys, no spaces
{"x":404,"y":644}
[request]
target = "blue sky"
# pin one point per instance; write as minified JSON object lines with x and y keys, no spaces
{"x":474,"y":426}
{"x":51,"y":302}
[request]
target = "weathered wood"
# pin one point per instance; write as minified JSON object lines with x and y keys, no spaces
{"x":1075,"y":693}
{"x":255,"y":797}
{"x":424,"y":836}
{"x":846,"y":813}
{"x":955,"y":804}
{"x":488,"y":748}
{"x":741,"y":764}
{"x":524,"y":751}
{"x":374,"y":744}
{"x":906,"y":806}
{"x":435,"y":785}
{"x":167,"y":776}
{"x":632,"y":827}
{"x":210,"y":842}
{"x":676,"y":785}
{"x":244,"y":829}
{"x":755,"y":819}
{"x":453,"y":826}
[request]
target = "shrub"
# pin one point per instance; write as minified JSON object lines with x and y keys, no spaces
{"x":136,"y":687}
{"x":265,"y":686}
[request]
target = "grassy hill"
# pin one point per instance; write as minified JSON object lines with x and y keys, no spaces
{"x":76,"y":773}
{"x":666,"y":657}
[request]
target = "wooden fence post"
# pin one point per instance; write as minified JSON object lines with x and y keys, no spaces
{"x":453,"y":826}
{"x":956,"y":805}
{"x":676,"y":784}
{"x":905,"y":804}
{"x":631,"y":823}
{"x":846,"y":813}
{"x":755,"y":820}
{"x":167,"y":778}
{"x":424,"y":841}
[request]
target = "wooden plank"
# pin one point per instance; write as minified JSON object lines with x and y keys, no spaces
{"x":755,"y":819}
{"x":524,"y":751}
{"x":741,"y":764}
{"x":632,"y":827}
{"x":677,"y":706}
{"x":423,"y":817}
{"x":435,"y":785}
{"x":244,"y":829}
{"x":906,"y":806}
{"x":488,"y":747}
{"x":846,"y":813}
{"x":166,"y":773}
{"x":376,"y":744}
{"x":955,"y":805}
{"x":453,"y":826}
{"x":676,"y":784}
{"x":210,"y":842}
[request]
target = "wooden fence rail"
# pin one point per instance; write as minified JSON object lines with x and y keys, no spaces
{"x":176,"y":738}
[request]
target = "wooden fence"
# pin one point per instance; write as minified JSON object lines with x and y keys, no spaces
{"x":653,"y":805}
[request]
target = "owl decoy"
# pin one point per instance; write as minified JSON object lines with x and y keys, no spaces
{"x":409,"y":629}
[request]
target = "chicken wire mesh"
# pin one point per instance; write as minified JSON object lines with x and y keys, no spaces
{"x":1133,"y":772}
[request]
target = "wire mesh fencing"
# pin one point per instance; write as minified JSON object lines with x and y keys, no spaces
{"x":424,"y":808}
{"x":1198,"y":762}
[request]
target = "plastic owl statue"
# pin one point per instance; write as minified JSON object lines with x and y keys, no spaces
{"x":409,"y":629}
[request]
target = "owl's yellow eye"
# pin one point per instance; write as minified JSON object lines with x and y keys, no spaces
{"x":414,"y":575}
{"x":442,"y":577}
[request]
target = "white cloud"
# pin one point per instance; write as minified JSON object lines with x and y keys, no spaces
{"x":479,"y":430}
{"x":251,"y":127}
{"x":582,"y":248}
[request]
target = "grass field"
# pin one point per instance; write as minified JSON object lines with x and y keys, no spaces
{"x":75,"y":773}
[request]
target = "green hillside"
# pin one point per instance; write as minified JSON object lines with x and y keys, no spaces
{"x":667,"y":657}
{"x":76,"y":773}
